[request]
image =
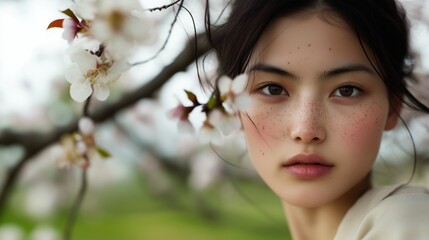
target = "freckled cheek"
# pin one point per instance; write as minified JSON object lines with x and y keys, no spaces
{"x":267,"y":122}
{"x":363,"y":130}
{"x":262,"y":126}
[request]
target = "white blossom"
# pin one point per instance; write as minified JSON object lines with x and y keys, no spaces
{"x":70,"y":155}
{"x":119,"y":25}
{"x":210,"y":134}
{"x":90,"y":73}
{"x":85,"y":9}
{"x":234,"y":86}
{"x":184,"y":125}
{"x":225,"y":122}
{"x":234,"y":91}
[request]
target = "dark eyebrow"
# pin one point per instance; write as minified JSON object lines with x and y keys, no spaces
{"x":272,"y":69}
{"x":324,"y":75}
{"x":346,"y":69}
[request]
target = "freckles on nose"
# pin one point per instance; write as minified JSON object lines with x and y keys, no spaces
{"x":308,"y":123}
{"x":310,"y":114}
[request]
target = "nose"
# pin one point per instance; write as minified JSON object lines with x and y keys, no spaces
{"x":308,"y":124}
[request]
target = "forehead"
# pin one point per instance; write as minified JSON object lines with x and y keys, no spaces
{"x":326,"y":38}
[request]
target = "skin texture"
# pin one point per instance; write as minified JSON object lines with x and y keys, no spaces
{"x":313,"y":90}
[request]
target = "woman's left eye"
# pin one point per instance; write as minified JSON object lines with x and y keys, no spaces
{"x":347,"y":91}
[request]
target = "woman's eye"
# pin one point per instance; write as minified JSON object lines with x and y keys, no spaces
{"x":347,"y":91}
{"x":273,"y":90}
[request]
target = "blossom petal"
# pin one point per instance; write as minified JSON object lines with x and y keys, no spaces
{"x":177,"y":113}
{"x":84,"y":9}
{"x":216,"y":137}
{"x":70,"y":29}
{"x":79,"y":54}
{"x":224,"y":85}
{"x":101,"y":30}
{"x":74,"y":74}
{"x":101,"y":91}
{"x":224,"y":122}
{"x":215,"y":118}
{"x":239,"y":83}
{"x":242,"y":102}
{"x":107,"y":6}
{"x":185,"y":126}
{"x":80,"y":90}
{"x":90,"y":44}
{"x":85,"y":60}
{"x":119,"y":47}
{"x":68,"y":34}
{"x":212,"y":135}
{"x":119,"y":67}
{"x":230,"y":125}
{"x":134,"y":23}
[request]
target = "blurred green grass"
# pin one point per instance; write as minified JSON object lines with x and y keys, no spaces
{"x":230,"y":210}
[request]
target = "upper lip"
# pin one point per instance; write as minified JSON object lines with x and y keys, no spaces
{"x":306,"y":158}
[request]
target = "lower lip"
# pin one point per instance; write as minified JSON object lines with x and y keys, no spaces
{"x":308,"y":171}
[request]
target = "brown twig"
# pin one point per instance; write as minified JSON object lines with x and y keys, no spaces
{"x":164,"y":7}
{"x":76,"y":206}
{"x":85,"y":111}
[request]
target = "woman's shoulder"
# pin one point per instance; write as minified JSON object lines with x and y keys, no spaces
{"x":406,"y":200}
{"x":394,"y":212}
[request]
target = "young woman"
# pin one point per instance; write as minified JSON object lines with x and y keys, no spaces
{"x":326,"y":78}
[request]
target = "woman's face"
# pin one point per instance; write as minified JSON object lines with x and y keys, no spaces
{"x":318,"y":110}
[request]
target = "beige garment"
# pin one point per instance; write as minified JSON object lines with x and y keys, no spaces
{"x":399,"y":212}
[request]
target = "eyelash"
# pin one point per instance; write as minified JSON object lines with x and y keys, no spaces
{"x":355,"y":90}
{"x":264,"y":89}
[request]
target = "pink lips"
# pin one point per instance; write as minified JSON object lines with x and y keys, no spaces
{"x":307,"y":166}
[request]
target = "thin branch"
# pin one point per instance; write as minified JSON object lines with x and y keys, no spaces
{"x":164,"y":7}
{"x":196,"y":40}
{"x":76,"y":206}
{"x":85,"y":111}
{"x":33,"y":142}
{"x":176,"y":16}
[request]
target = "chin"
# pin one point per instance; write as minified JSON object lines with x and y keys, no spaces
{"x":308,"y":198}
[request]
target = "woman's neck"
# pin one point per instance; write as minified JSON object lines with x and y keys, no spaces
{"x":322,"y":222}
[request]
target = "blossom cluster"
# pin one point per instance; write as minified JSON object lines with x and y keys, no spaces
{"x":102,"y":35}
{"x":221,"y":111}
{"x":80,"y":147}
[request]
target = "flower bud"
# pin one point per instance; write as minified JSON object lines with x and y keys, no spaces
{"x":86,"y":126}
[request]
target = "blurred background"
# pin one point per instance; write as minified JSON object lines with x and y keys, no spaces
{"x":158,"y":183}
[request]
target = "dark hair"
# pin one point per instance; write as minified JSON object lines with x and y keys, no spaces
{"x":380,"y":25}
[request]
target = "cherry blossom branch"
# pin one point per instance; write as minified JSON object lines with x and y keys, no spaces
{"x":32,"y":148}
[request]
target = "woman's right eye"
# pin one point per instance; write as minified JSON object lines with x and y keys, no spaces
{"x":272,"y":89}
